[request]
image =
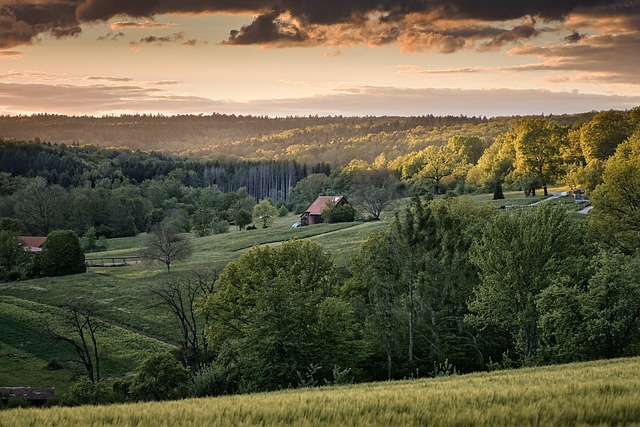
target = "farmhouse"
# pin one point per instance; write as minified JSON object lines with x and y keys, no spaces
{"x":313,"y":215}
{"x":33,"y":243}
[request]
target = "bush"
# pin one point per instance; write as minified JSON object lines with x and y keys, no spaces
{"x":84,"y":392}
{"x":62,"y":254}
{"x":205,"y":382}
{"x":283,"y":211}
{"x":220,"y":226}
{"x":160,"y":377}
{"x":342,"y":213}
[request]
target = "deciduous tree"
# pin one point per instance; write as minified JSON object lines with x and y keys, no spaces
{"x":538,"y":146}
{"x":600,"y":137}
{"x":616,"y":214}
{"x":179,"y":294}
{"x":264,"y":213}
{"x":518,"y":256}
{"x":166,"y":245}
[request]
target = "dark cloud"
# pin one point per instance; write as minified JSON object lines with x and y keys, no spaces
{"x":140,"y":25}
{"x":575,"y":37}
{"x":111,"y":36}
{"x":305,"y":22}
{"x":267,"y":28}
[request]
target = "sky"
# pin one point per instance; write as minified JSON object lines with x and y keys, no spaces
{"x":318,"y":57}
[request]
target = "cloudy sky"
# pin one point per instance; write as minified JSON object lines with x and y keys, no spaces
{"x":326,"y":57}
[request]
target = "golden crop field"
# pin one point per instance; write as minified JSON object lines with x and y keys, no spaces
{"x":595,"y":393}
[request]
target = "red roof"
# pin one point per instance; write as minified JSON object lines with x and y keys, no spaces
{"x":33,"y":241}
{"x":321,"y":202}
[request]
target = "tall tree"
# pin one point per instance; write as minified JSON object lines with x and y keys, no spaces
{"x":374,"y":190}
{"x":79,"y":329}
{"x":12,"y":255}
{"x":518,"y":256}
{"x":596,"y":319}
{"x":469,"y":148}
{"x":616,"y":214}
{"x":538,"y":146}
{"x":40,"y":206}
{"x":179,"y":294}
{"x":201,"y":221}
{"x":439,"y":163}
{"x":413,"y":281}
{"x":268,"y":312}
{"x":166,"y":245}
{"x":600,"y":137}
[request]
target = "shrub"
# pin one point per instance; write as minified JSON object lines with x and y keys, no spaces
{"x":342,"y":213}
{"x":220,"y":226}
{"x":283,"y":211}
{"x":84,"y":392}
{"x":160,"y":377}
{"x":62,"y":254}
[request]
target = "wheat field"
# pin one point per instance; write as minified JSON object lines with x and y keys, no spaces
{"x":595,"y":393}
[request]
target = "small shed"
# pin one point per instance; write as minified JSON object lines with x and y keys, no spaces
{"x":34,"y":395}
{"x":313,"y":215}
{"x":33,"y":243}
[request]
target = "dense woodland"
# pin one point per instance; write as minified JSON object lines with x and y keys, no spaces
{"x":448,"y":286}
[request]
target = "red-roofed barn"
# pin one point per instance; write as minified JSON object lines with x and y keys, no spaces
{"x":33,"y":243}
{"x":313,"y":215}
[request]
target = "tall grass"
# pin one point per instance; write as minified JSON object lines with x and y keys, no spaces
{"x":596,"y":393}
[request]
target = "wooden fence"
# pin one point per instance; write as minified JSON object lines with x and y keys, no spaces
{"x":112,"y":261}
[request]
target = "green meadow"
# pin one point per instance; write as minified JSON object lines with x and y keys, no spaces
{"x":136,"y":325}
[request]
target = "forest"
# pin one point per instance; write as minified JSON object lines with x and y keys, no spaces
{"x":444,"y":285}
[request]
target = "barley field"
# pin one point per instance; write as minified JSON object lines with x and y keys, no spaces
{"x":596,"y":393}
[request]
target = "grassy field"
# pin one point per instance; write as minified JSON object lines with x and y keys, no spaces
{"x":124,"y":294}
{"x":597,"y":393}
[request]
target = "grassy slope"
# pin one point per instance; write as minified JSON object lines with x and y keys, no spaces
{"x":595,"y":393}
{"x":124,"y":298}
{"x":123,"y":292}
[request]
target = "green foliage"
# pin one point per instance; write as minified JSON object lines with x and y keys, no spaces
{"x":616,"y":214}
{"x":160,"y":377}
{"x":283,"y":211}
{"x":268,"y":312}
{"x":12,"y":256}
{"x":538,"y":146}
{"x":84,"y":392}
{"x":333,"y":214}
{"x":220,"y":226}
{"x":372,"y":189}
{"x":202,"y":222}
{"x":599,"y":319}
{"x":241,"y":217}
{"x":309,"y":188}
{"x":600,"y":136}
{"x":518,"y":256}
{"x":411,"y":284}
{"x":62,"y":255}
{"x":264,"y":213}
{"x":469,"y":148}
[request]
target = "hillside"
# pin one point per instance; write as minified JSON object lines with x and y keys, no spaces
{"x":332,"y":140}
{"x":595,"y":393}
{"x":126,"y":304}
